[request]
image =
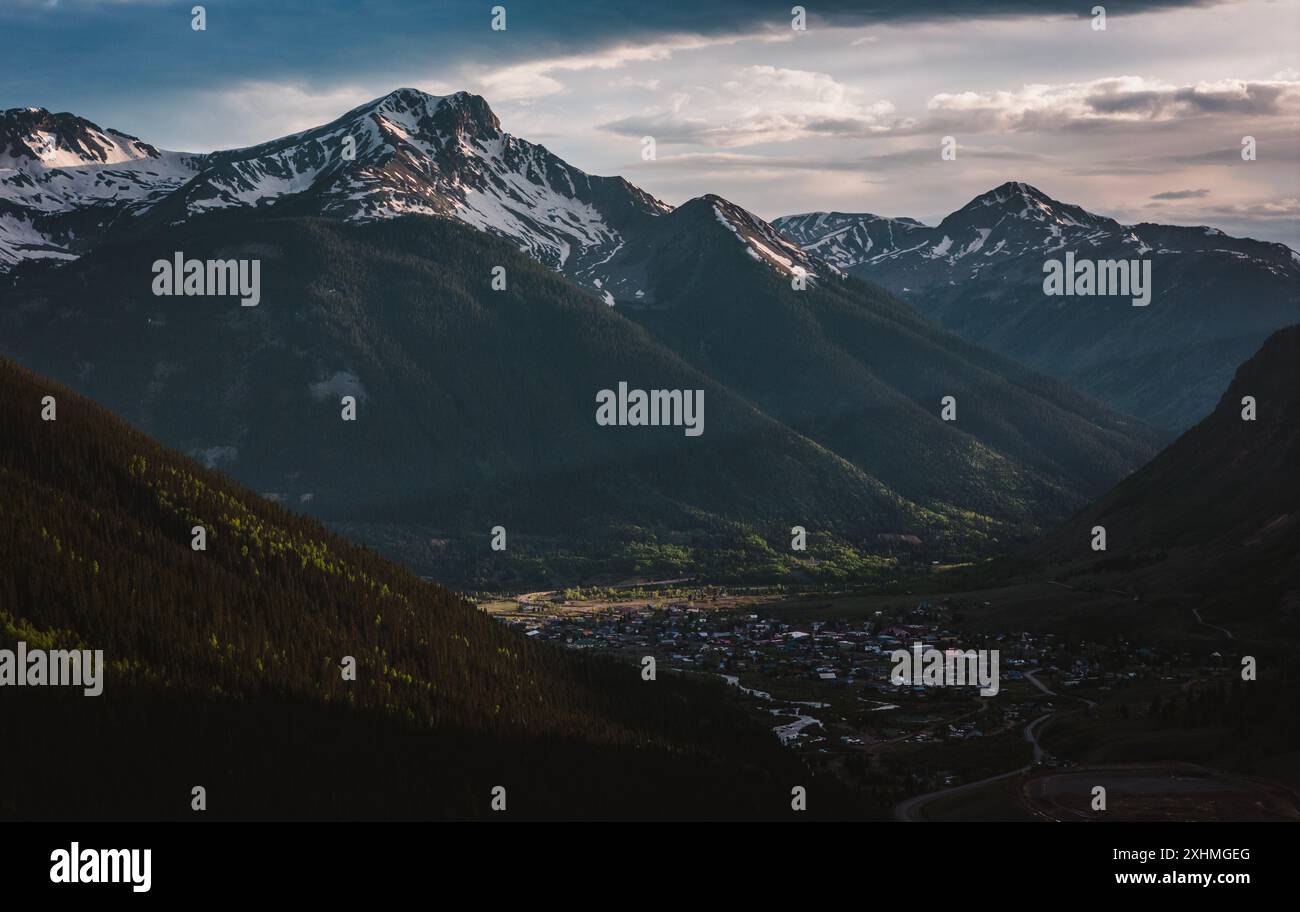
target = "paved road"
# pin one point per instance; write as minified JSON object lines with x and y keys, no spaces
{"x":909,"y":809}
{"x":1223,"y":630}
{"x":1051,"y":693}
{"x":1037,"y":683}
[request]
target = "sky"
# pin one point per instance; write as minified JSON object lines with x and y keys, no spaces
{"x":1142,"y":120}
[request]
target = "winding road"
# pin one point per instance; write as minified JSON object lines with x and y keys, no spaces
{"x":909,"y":809}
{"x":1204,"y":623}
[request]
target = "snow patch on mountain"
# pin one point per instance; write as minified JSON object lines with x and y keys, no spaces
{"x":341,"y":383}
{"x":846,"y":239}
{"x":762,"y":241}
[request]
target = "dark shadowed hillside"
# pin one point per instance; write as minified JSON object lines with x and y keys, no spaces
{"x":851,"y":366}
{"x":476,"y":407}
{"x":223,"y":665}
{"x":1214,"y":520}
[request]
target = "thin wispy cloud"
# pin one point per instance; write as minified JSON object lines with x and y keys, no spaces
{"x":764,"y":104}
{"x":1111,"y":100}
{"x":1181,"y":194}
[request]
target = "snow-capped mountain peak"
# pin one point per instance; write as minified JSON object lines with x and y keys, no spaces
{"x":405,"y":152}
{"x":64,"y":181}
{"x":1021,"y":201}
{"x":33,"y":139}
{"x":411,"y":152}
{"x":979,"y":272}
{"x":1011,"y":221}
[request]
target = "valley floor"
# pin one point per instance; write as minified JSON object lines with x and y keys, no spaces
{"x":1082,"y":703}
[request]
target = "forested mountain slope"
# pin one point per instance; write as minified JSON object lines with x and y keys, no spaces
{"x":223,"y":665}
{"x":477,"y":407}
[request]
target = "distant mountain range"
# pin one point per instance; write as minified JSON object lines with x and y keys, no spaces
{"x":477,"y":405}
{"x":66,"y":184}
{"x":979,"y":273}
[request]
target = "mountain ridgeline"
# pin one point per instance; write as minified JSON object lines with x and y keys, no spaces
{"x":474,"y":294}
{"x":223,"y":666}
{"x":980,"y":273}
{"x":67,"y":186}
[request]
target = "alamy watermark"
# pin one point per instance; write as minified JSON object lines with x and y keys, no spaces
{"x":78,"y":865}
{"x":655,"y":408}
{"x":1123,"y":278}
{"x":924,"y":666}
{"x":23,"y":667}
{"x":199,"y":278}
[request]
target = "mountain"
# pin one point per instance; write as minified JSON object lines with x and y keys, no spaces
{"x":1214,"y":519}
{"x":407,"y":152}
{"x":222,"y":666}
{"x":645,"y":268}
{"x":433,"y":155}
{"x":850,"y":366}
{"x":477,"y":405}
{"x":847,"y":239}
{"x":35,"y":137}
{"x":65,"y":183}
{"x":979,"y":273}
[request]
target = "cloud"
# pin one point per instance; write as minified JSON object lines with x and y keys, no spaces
{"x":761,"y":104}
{"x":1115,"y":170}
{"x":1279,"y":145}
{"x":1283,"y":208}
{"x":542,"y":77}
{"x":264,"y":110}
{"x":715,"y":162}
{"x":628,"y":82}
{"x":754,"y":164}
{"x":1107,"y":101}
{"x":1180,"y":194}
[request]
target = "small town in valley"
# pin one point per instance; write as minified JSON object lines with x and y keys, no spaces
{"x":823,"y":686}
